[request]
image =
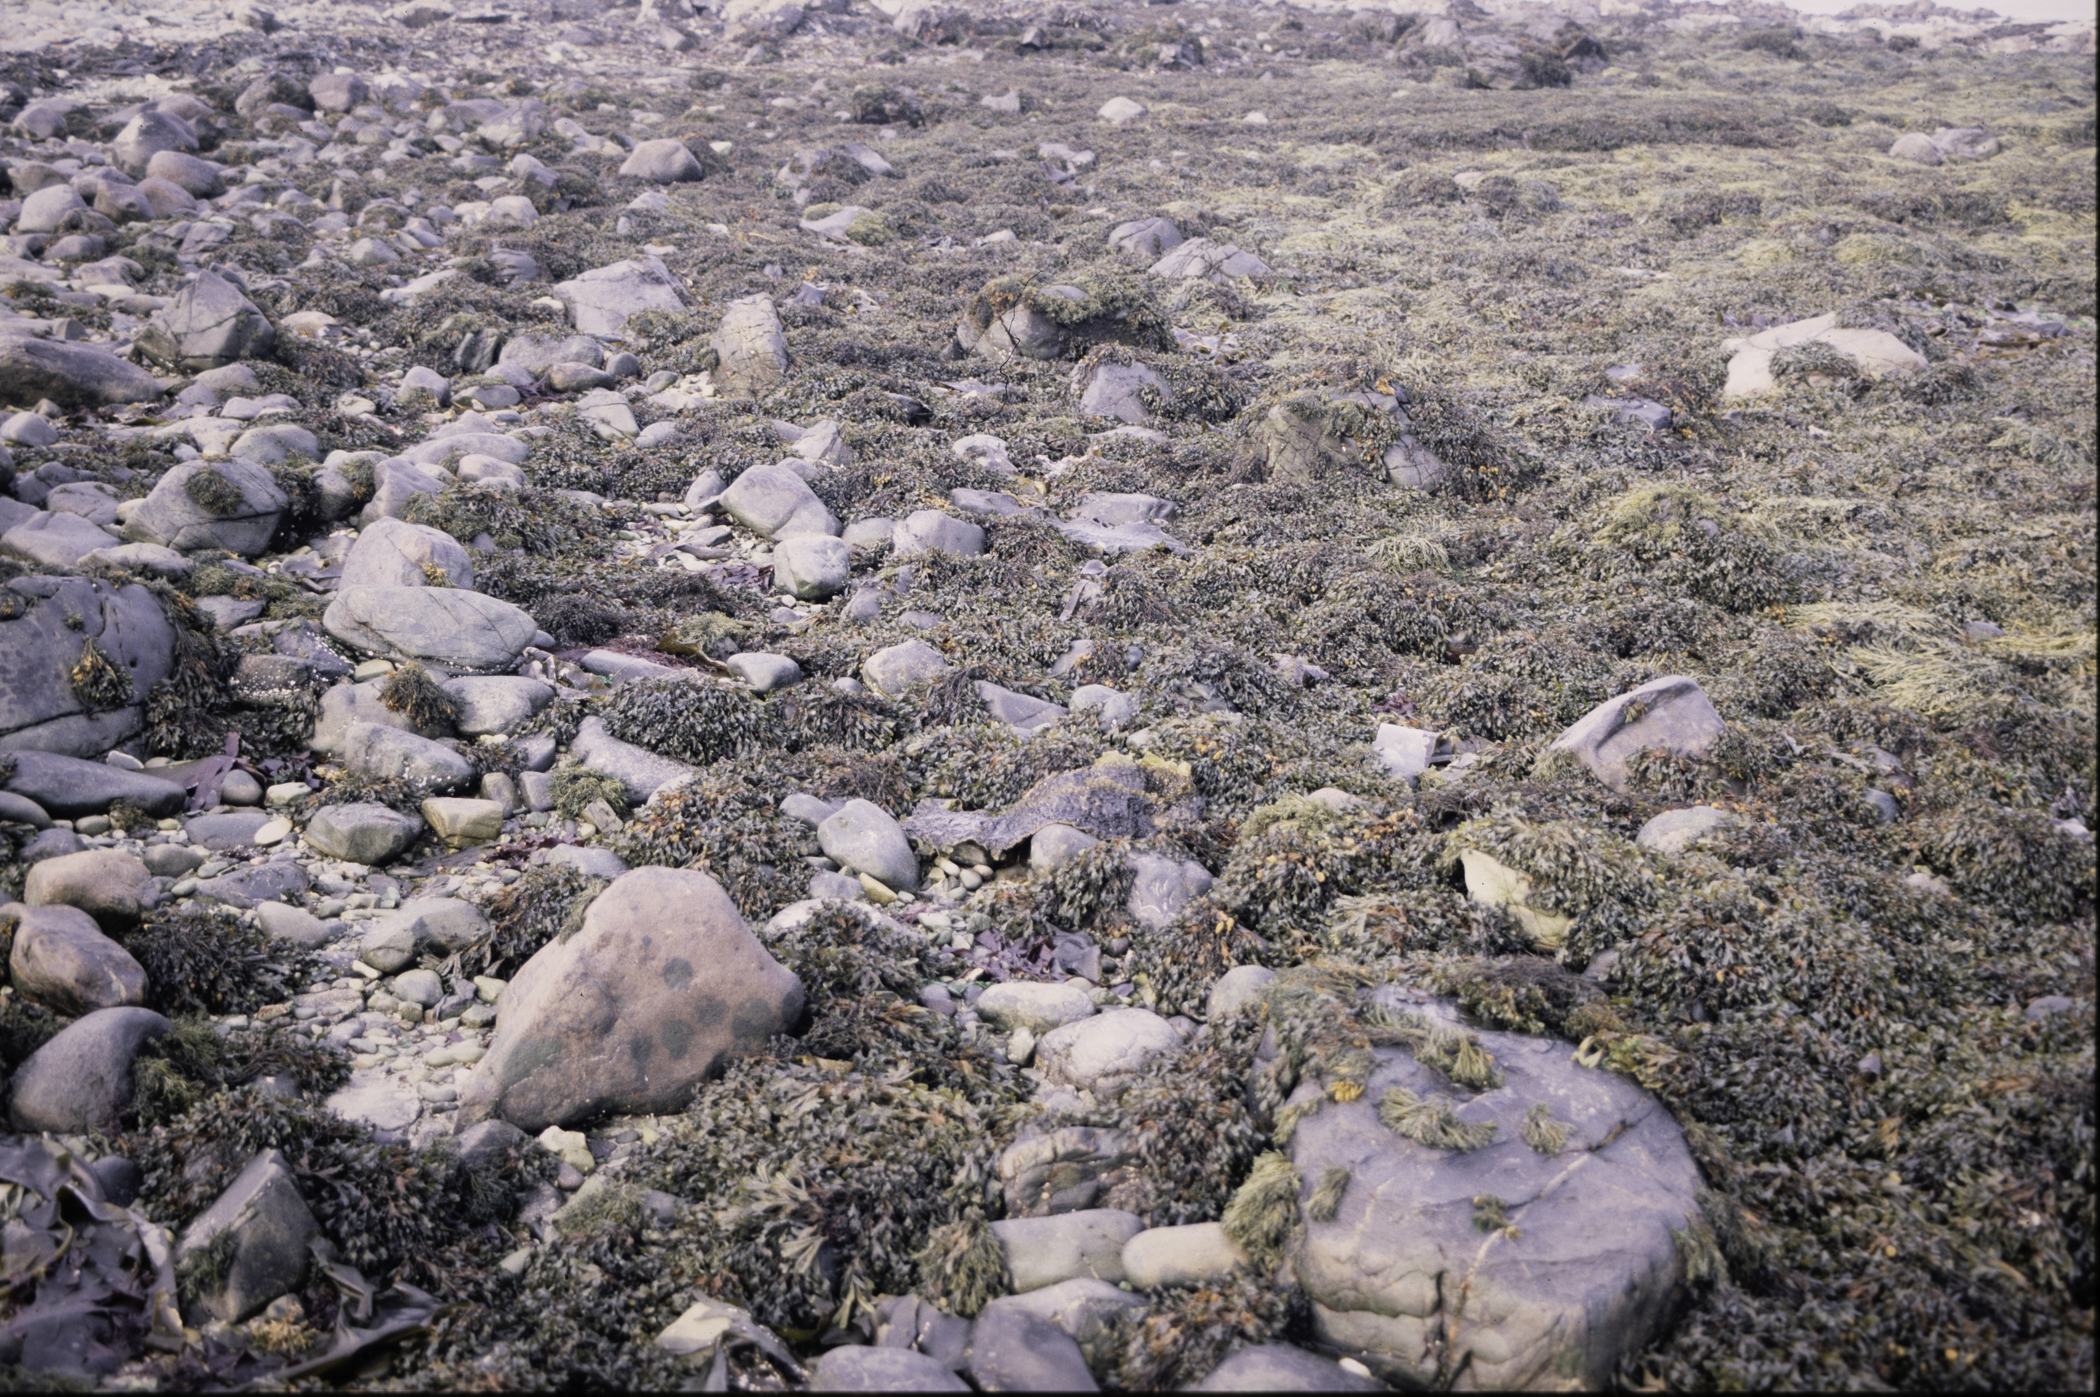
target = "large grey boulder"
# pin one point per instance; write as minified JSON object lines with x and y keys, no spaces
{"x":897,"y":669}
{"x":81,"y":1079}
{"x":362,"y":832}
{"x":663,"y":161}
{"x":493,"y":703}
{"x":391,"y":553}
{"x":46,"y":625}
{"x":776,"y":502}
{"x":460,"y":630}
{"x":207,"y":323}
{"x":1147,"y":237}
{"x":193,"y":175}
{"x":391,"y":754}
{"x":601,"y":299}
{"x":862,"y":836}
{"x":1034,"y":1005}
{"x":1085,"y":1308}
{"x":811,"y":567}
{"x":1671,"y":714}
{"x":662,"y":982}
{"x":344,"y":704}
{"x":109,"y":885}
{"x":640,"y":770}
{"x":62,"y":959}
{"x":69,"y":787}
{"x":855,"y":1368}
{"x":71,"y":375}
{"x":752,"y":349}
{"x":1415,"y":1278}
{"x":265,"y":1226}
{"x":234,"y":505}
{"x":50,"y":209}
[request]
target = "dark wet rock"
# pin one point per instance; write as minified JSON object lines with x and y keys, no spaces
{"x":633,"y":1011}
{"x":62,"y":959}
{"x":46,"y":625}
{"x":81,"y":1079}
{"x":109,"y":885}
{"x":256,"y":1234}
{"x":362,"y":832}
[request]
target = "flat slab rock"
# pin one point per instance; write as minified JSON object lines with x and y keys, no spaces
{"x":1588,"y":1271}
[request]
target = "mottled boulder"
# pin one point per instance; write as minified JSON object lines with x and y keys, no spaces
{"x":370,"y":749}
{"x":362,"y":832}
{"x":234,"y":505}
{"x":662,"y":161}
{"x":752,"y":349}
{"x":601,"y":299}
{"x":62,"y":959}
{"x":42,"y":705}
{"x":81,"y":1079}
{"x":207,"y":323}
{"x":462,"y":630}
{"x":635,"y":1010}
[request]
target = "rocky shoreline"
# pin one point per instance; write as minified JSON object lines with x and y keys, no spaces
{"x":941,"y":697}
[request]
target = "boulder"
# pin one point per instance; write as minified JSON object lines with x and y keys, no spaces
{"x":62,"y":959}
{"x":109,"y":885}
{"x":71,"y":375}
{"x":1053,"y":846}
{"x":296,"y":925}
{"x":812,"y":567}
{"x":1121,"y":111}
{"x":362,"y":832}
{"x":193,"y":175}
{"x":69,"y":787}
{"x":49,"y":210}
{"x":1101,"y":1053}
{"x":776,"y":502}
{"x":764,"y":672}
{"x":1034,"y":1005}
{"x":662,"y":982}
{"x":147,"y":135}
{"x":640,"y":770}
{"x":337,"y":92}
{"x":81,"y":1079}
{"x":497,"y":703}
{"x":55,"y":541}
{"x":344,"y":704}
{"x":1044,"y":1251}
{"x":662,"y":161}
{"x":391,"y":553}
{"x":931,"y":531}
{"x":1674,"y":831}
{"x":601,"y":300}
{"x":1196,"y":1253}
{"x":752,"y":349}
{"x":1084,"y":1308}
{"x":234,"y":505}
{"x":1147,"y":237}
{"x":370,"y":749}
{"x":1577,"y":1265}
{"x":1213,"y":261}
{"x":1163,"y":887}
{"x":460,"y":821}
{"x":1012,"y":1350}
{"x":1670,"y":714}
{"x":461,"y":630}
{"x":256,"y":884}
{"x":1118,"y":391}
{"x":218,"y":833}
{"x":46,"y":625}
{"x":537,"y":354}
{"x":256,"y":1234}
{"x":207,"y":323}
{"x":862,"y":836}
{"x":1916,"y":146}
{"x":854,"y":1368}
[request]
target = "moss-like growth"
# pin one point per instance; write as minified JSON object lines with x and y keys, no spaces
{"x":203,"y":959}
{"x":1264,"y":1210}
{"x":574,"y":787}
{"x":1326,"y":1198}
{"x":214,"y":493}
{"x":412,"y":693}
{"x":697,"y":720}
{"x":1543,"y":1133}
{"x":963,"y":1266}
{"x":1429,"y":1121}
{"x":547,"y":903}
{"x":98,"y":681}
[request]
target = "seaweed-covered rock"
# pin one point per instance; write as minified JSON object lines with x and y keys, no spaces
{"x":81,"y":1079}
{"x":1670,"y":714}
{"x":1101,"y":1053}
{"x":233,"y":505}
{"x":388,"y":754}
{"x":1116,"y":798}
{"x":61,"y":958}
{"x":1514,"y":1235}
{"x":208,"y":323}
{"x":465,"y":630}
{"x":109,"y":885}
{"x":343,"y":705}
{"x":635,"y":1010}
{"x":81,"y":657}
{"x":71,"y":375}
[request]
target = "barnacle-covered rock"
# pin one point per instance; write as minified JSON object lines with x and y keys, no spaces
{"x":662,"y":982}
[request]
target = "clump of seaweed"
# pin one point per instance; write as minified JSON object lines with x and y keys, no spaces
{"x":412,"y":693}
{"x":576,"y":787}
{"x":963,"y":1265}
{"x":201,"y":959}
{"x":1264,"y":1210}
{"x":1326,"y":1198}
{"x":1543,"y":1133}
{"x":214,"y":493}
{"x":1428,"y":1120}
{"x":1188,"y":1332}
{"x":547,"y":903}
{"x":690,"y":720}
{"x":99,"y":682}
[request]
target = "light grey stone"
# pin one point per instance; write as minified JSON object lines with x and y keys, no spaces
{"x":1046,"y":1250}
{"x":1011,"y":1350}
{"x":863,"y":836}
{"x":854,"y":1368}
{"x":464,"y":630}
{"x":1214,"y":261}
{"x":1671,"y":713}
{"x":1163,"y":887}
{"x":391,"y":553}
{"x":900,"y":668}
{"x":1101,"y":1053}
{"x":931,"y":531}
{"x":1674,"y":831}
{"x":109,"y":885}
{"x":207,"y":323}
{"x":294,"y":924}
{"x":55,"y":541}
{"x":61,"y":959}
{"x":642,"y":771}
{"x":344,"y":704}
{"x":1147,"y":237}
{"x":1054,"y":846}
{"x":493,"y":703}
{"x":663,"y":161}
{"x":1035,"y":1006}
{"x":370,"y":749}
{"x":812,"y":567}
{"x":766,"y":673}
{"x":1195,"y":1253}
{"x":172,"y":517}
{"x":362,"y":832}
{"x":1238,"y":988}
{"x":81,"y":1079}
{"x":1021,"y":712}
{"x":752,"y":349}
{"x":69,"y":787}
{"x":71,"y":375}
{"x":1284,"y":1368}
{"x":1114,"y":706}
{"x":1083,"y":1307}
{"x":778,"y":503}
{"x":1117,"y":390}
{"x":601,"y":300}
